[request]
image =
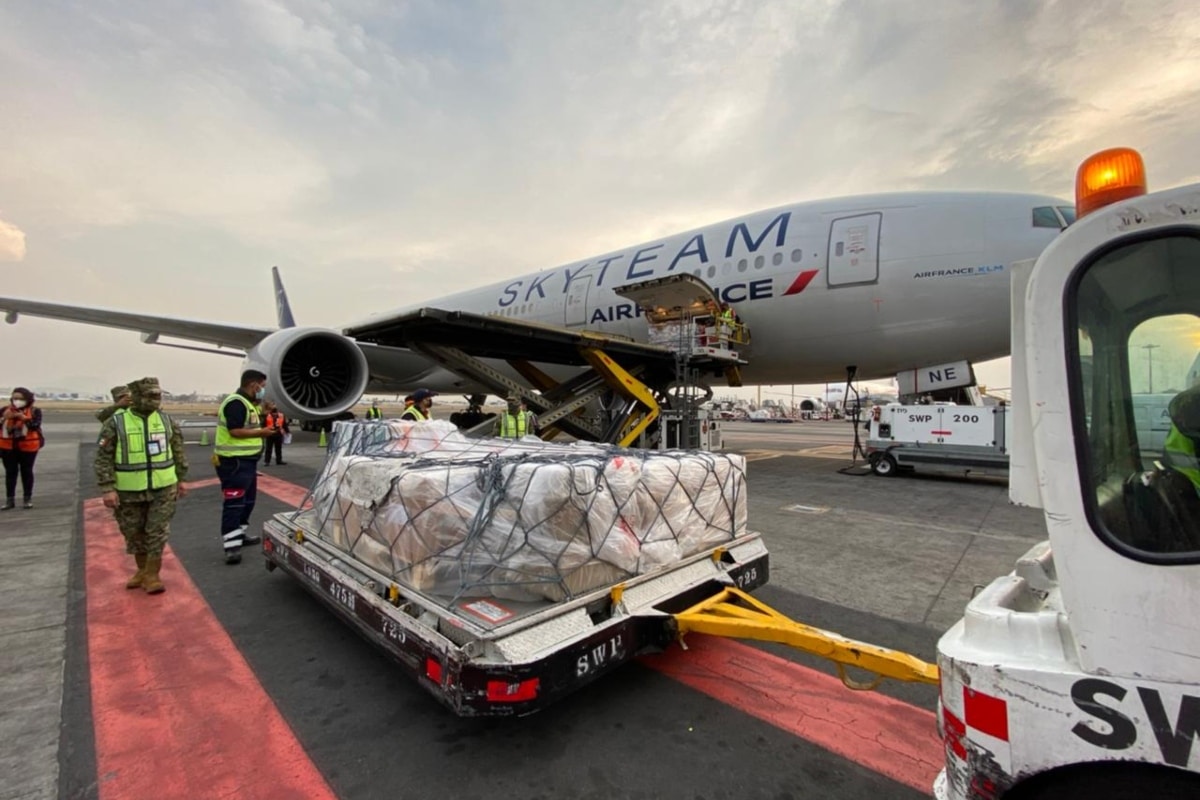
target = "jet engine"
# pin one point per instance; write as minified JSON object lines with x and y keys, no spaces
{"x":312,"y":373}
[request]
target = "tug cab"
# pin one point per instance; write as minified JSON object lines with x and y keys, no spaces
{"x":1078,"y":675}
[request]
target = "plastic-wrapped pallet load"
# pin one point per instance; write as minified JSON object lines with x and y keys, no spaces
{"x":523,"y":520}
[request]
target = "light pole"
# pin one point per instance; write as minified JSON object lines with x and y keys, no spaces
{"x":1150,"y":348}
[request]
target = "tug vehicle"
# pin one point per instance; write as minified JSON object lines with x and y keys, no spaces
{"x":1078,"y":674}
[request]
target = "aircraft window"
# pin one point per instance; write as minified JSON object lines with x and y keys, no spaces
{"x":712,"y":270}
{"x":1136,"y":318}
{"x":1044,"y":217}
{"x":1068,"y":214}
{"x":742,"y":264}
{"x":797,"y":254}
{"x":841,"y":247}
{"x":777,"y":259}
{"x":759,"y":261}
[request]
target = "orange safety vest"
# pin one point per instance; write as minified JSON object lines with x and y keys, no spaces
{"x":274,"y":421}
{"x":15,"y":435}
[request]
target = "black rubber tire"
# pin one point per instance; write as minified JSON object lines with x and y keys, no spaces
{"x":885,"y":466}
{"x":1113,"y":781}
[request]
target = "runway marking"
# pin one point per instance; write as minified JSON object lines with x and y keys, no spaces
{"x":802,"y":509}
{"x":177,"y":710}
{"x":760,"y":455}
{"x":841,"y":451}
{"x":884,"y":735}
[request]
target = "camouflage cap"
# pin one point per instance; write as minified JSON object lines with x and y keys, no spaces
{"x":144,"y":386}
{"x":120,"y":391}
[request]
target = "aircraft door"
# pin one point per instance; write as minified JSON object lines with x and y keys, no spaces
{"x":854,"y":249}
{"x":575,"y":313}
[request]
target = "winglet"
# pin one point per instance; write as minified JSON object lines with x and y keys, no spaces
{"x":283,"y":309}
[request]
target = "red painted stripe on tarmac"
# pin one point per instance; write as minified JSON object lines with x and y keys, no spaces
{"x":178,"y":712}
{"x":285,"y":491}
{"x":878,"y":732}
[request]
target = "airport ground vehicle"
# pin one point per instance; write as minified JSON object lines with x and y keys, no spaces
{"x":493,"y":658}
{"x":940,"y":437}
{"x":1078,"y":674}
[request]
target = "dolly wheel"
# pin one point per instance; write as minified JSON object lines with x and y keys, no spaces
{"x":884,"y":465}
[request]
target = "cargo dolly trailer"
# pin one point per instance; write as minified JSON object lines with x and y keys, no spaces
{"x":484,"y":656}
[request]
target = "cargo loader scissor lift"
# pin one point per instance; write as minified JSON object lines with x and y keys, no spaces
{"x":587,"y":366}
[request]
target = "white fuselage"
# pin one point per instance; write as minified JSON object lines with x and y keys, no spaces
{"x":882,"y":282}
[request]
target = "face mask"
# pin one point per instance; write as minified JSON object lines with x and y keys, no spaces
{"x":260,"y":393}
{"x":18,"y":403}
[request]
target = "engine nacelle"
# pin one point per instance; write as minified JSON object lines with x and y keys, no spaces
{"x":312,"y":373}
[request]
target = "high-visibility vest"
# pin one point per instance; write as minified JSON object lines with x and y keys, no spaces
{"x":225,"y":444}
{"x":1179,"y":453}
{"x":274,"y":421}
{"x":143,"y":456}
{"x":374,"y":413}
{"x":513,"y":426}
{"x":414,"y":413}
{"x":727,"y":315}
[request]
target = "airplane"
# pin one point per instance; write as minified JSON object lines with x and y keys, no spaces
{"x":886,"y":282}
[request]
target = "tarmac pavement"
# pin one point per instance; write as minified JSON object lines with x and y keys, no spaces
{"x":890,"y":561}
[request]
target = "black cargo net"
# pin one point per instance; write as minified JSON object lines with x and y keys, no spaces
{"x":522,"y":520}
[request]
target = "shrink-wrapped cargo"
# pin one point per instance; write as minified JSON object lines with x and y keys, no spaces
{"x":524,"y":520}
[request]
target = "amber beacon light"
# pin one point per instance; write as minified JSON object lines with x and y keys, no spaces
{"x":1108,"y":176}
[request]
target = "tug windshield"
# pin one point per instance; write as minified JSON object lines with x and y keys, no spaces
{"x":1136,"y":397}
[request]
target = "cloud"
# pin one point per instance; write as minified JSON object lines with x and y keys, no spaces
{"x":12,"y":242}
{"x":387,"y":153}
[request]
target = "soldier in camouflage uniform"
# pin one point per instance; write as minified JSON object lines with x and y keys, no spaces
{"x":140,"y":468}
{"x":121,"y":399}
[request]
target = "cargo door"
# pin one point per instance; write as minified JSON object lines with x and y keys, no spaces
{"x":854,"y":249}
{"x":672,"y":297}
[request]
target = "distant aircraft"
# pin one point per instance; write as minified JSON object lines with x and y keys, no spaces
{"x":886,"y":282}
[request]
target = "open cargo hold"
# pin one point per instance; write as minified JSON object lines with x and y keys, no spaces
{"x":504,"y":573}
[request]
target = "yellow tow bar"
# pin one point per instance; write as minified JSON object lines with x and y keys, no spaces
{"x":735,"y":614}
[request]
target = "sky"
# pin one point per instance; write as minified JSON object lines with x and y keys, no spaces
{"x":160,"y":156}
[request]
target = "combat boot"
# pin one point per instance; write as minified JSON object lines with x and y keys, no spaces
{"x":136,"y":581}
{"x":150,"y":582}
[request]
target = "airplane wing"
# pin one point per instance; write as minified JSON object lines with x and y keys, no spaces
{"x":150,"y":327}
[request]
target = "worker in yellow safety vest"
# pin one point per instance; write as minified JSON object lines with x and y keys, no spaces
{"x":1179,"y":449}
{"x":373,"y":413}
{"x":238,"y":445}
{"x":140,"y":467}
{"x":516,"y":421}
{"x":421,"y":409}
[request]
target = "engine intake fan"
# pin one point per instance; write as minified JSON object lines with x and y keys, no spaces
{"x":312,"y":373}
